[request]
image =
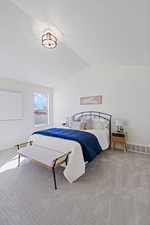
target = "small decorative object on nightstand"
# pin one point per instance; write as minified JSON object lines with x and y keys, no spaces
{"x":119,"y":137}
{"x":120,"y":125}
{"x":66,"y":122}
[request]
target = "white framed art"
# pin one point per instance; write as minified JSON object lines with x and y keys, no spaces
{"x":91,"y":100}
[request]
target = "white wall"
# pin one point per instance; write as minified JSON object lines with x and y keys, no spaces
{"x":16,"y":131}
{"x":126,"y":95}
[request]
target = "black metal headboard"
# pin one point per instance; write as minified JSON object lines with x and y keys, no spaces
{"x":93,"y":115}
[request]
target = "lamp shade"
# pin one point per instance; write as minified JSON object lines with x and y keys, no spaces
{"x":119,"y":123}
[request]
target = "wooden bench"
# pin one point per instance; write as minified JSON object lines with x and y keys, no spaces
{"x":45,"y":157}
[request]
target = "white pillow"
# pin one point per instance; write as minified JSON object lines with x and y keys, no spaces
{"x":83,"y":124}
{"x":100,"y":124}
{"x":89,"y":124}
{"x":75,"y":125}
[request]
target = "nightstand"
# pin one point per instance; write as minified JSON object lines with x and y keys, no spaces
{"x":121,"y":138}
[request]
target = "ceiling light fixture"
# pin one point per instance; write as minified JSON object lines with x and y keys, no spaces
{"x":49,"y":40}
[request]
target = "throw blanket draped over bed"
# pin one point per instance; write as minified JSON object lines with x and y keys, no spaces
{"x":89,"y":143}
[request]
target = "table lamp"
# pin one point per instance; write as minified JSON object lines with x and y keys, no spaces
{"x":120,"y":125}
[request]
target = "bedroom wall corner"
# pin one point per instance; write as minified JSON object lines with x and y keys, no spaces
{"x":16,"y":131}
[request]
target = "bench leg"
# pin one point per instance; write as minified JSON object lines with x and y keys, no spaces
{"x":54,"y":177}
{"x":66,"y":161}
{"x":18,"y":160}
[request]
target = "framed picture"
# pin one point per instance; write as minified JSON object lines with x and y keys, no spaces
{"x":91,"y":100}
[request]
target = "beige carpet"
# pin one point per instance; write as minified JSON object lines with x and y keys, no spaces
{"x":114,"y":191}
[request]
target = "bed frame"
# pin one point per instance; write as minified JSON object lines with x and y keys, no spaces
{"x":94,"y":115}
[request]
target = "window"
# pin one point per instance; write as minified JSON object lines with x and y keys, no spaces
{"x":41,"y":109}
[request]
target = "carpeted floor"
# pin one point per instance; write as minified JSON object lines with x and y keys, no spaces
{"x":114,"y":191}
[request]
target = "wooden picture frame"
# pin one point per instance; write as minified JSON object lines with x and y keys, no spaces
{"x":91,"y":100}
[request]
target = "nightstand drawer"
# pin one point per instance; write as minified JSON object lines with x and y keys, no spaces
{"x":121,"y":138}
{"x":118,"y":139}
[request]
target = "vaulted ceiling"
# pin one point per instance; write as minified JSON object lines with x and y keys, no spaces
{"x":89,"y":32}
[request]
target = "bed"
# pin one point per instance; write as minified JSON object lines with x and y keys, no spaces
{"x":76,"y":161}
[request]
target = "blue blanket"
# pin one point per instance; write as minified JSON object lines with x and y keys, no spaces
{"x":89,"y":143}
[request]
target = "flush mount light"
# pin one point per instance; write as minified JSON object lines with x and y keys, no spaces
{"x":49,"y":40}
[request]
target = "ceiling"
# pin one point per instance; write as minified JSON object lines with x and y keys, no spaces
{"x":89,"y":32}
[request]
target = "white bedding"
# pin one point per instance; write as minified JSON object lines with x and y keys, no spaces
{"x":76,"y":165}
{"x":102,"y":136}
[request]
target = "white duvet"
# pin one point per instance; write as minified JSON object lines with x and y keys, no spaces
{"x":76,"y":165}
